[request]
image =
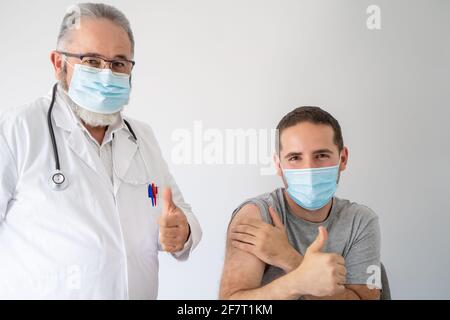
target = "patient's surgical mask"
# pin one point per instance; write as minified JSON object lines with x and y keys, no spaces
{"x":312,"y":188}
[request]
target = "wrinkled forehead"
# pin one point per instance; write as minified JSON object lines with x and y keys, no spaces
{"x":100,"y":36}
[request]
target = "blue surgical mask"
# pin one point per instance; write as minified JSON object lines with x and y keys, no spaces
{"x":312,"y":188}
{"x":99,"y":90}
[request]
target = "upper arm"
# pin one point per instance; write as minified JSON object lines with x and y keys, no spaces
{"x":8,"y":176}
{"x":242,"y":270}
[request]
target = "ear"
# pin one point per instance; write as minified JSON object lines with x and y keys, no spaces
{"x":344,"y":159}
{"x":57,"y":62}
{"x":276,"y":160}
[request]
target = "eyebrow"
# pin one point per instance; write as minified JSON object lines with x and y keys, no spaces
{"x":93,"y":54}
{"x":121,"y":56}
{"x":323,"y":151}
{"x":291,"y":154}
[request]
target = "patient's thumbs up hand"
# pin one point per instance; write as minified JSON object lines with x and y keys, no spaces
{"x":321,"y":274}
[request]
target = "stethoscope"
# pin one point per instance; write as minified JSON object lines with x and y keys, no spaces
{"x":58,"y":180}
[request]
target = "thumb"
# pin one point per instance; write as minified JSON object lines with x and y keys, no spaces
{"x":320,"y":241}
{"x":168,"y":204}
{"x":276,"y":218}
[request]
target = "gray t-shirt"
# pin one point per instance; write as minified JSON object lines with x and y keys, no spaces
{"x":353,"y":233}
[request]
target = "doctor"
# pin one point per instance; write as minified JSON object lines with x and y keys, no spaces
{"x":86,"y":199}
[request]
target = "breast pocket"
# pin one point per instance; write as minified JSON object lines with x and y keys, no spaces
{"x":140,"y":205}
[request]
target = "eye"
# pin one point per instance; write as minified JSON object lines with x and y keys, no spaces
{"x":294,"y":158}
{"x":323,"y":156}
{"x":118,"y":65}
{"x":92,"y":62}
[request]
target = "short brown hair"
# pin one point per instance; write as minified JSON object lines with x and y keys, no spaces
{"x":311,"y":114}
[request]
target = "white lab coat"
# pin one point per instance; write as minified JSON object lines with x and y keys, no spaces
{"x":93,"y":240}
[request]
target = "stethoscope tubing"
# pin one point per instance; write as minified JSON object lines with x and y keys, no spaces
{"x":57,"y":179}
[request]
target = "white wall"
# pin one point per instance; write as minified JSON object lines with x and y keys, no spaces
{"x":244,"y":64}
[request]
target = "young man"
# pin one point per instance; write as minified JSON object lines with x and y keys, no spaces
{"x":302,"y":242}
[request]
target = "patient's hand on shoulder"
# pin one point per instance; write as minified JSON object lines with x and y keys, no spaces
{"x":265,"y":241}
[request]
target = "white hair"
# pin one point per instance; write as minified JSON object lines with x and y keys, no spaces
{"x":72,"y":20}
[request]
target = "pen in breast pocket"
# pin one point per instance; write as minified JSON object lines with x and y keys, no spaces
{"x":153,"y":193}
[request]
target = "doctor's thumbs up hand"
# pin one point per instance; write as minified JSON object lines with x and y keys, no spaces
{"x":173,"y":225}
{"x":321,"y":274}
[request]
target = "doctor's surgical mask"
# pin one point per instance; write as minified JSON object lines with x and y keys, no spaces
{"x":312,"y":188}
{"x":104,"y":91}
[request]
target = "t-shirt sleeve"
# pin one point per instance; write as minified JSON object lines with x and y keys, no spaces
{"x":262,"y":206}
{"x":363,"y":259}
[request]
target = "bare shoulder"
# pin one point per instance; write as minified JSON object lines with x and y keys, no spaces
{"x":248,"y":211}
{"x":242,"y":270}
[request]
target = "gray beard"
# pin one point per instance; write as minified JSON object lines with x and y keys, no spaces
{"x":92,"y":119}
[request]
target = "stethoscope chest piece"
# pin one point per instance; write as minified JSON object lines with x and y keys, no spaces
{"x":58,"y":180}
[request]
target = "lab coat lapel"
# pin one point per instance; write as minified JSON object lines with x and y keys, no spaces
{"x":65,"y":119}
{"x":124,"y":150}
{"x":79,"y":146}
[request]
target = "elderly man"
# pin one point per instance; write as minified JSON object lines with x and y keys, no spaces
{"x":86,"y":199}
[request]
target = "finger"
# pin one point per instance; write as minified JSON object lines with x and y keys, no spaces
{"x":172,"y":248}
{"x":169,"y":237}
{"x":168,"y":204}
{"x":171,"y":220}
{"x":320,"y":241}
{"x":252,"y":222}
{"x":178,"y":215}
{"x":243,"y":246}
{"x":340,"y":289}
{"x":342,"y":270}
{"x":168,"y":221}
{"x":340,"y":260}
{"x":242,"y":228}
{"x":242,"y":237}
{"x":168,"y":225}
{"x":170,"y":232}
{"x":169,"y":242}
{"x":276,"y":218}
{"x":342,"y":280}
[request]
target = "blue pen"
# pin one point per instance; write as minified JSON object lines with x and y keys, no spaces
{"x":150,"y":194}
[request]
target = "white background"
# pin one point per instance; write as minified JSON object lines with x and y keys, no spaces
{"x":244,"y":64}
